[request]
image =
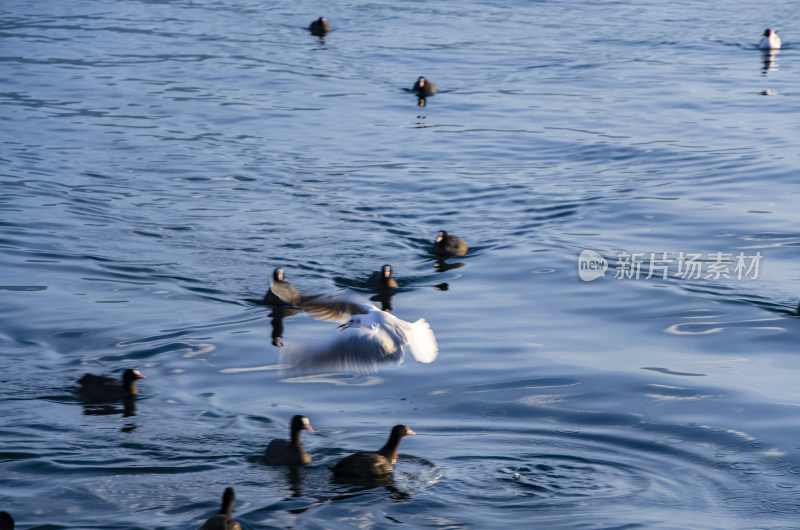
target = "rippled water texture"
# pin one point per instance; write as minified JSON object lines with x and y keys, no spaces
{"x":160,"y":159}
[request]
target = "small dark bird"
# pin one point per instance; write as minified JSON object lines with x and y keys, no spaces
{"x":6,"y":521}
{"x":101,"y":388}
{"x":223,"y":520}
{"x":319,"y":27}
{"x":382,"y":280}
{"x":367,"y":465}
{"x":383,"y":285}
{"x":281,"y":293}
{"x":423,"y":87}
{"x":289,"y":452}
{"x":449,"y":245}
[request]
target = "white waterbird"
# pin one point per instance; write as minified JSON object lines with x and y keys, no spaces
{"x":769,"y":40}
{"x":368,"y":337}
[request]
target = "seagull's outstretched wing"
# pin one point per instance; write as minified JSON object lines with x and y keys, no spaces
{"x":421,"y":342}
{"x":355,"y":350}
{"x":417,"y":338}
{"x":335,"y":308}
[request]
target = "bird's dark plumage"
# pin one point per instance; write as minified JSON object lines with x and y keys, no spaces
{"x":319,"y":27}
{"x":449,"y":245}
{"x":6,"y":521}
{"x":289,"y":452}
{"x":423,"y":87}
{"x":366,"y":465}
{"x":223,"y":520}
{"x":281,"y":293}
{"x":101,"y":388}
{"x":382,"y":280}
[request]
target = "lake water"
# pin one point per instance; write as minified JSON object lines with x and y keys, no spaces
{"x":161,"y":158}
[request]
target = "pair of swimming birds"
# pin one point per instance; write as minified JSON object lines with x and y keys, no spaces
{"x":363,"y":465}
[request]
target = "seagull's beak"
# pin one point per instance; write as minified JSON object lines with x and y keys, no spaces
{"x":307,"y":427}
{"x":409,"y":431}
{"x":343,"y":326}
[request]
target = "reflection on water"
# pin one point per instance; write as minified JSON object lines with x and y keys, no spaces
{"x":671,"y":372}
{"x":276,"y":322}
{"x":126,"y":409}
{"x":769,"y":59}
{"x":697,"y":327}
{"x":385,"y":299}
{"x":360,"y":485}
{"x":442,"y":266}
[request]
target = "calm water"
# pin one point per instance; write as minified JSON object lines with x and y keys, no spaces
{"x":160,"y":158}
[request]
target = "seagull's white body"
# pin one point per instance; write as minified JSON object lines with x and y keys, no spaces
{"x":770,"y":41}
{"x":368,"y":337}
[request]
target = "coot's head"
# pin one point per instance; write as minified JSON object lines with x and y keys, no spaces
{"x":401,"y":430}
{"x":300,"y":423}
{"x":131,"y":374}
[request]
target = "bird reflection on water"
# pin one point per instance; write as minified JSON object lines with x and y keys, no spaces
{"x":276,"y":323}
{"x":127,"y":410}
{"x":442,"y":266}
{"x":769,"y":60}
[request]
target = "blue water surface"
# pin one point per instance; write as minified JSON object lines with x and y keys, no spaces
{"x":161,"y":158}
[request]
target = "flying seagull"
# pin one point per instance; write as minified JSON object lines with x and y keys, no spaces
{"x":368,"y":337}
